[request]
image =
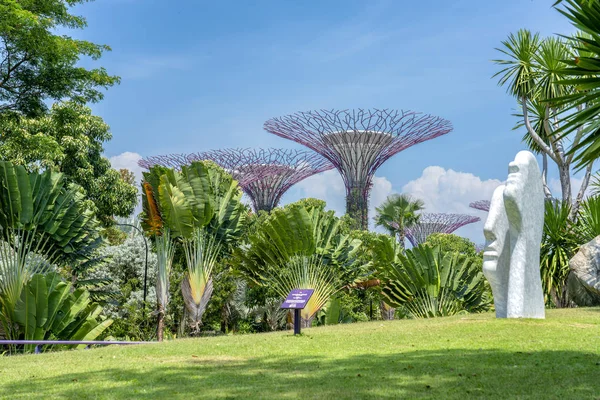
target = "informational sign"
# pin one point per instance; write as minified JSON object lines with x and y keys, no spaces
{"x":297,"y":298}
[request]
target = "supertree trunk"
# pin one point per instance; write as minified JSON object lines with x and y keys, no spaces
{"x":357,"y":207}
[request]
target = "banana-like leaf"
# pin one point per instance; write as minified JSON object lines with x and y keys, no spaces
{"x":48,"y":309}
{"x":427,"y":282}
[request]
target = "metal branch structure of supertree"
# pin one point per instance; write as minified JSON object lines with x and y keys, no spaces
{"x":357,"y":142}
{"x":168,"y":160}
{"x":437,"y":223}
{"x":266,"y":174}
{"x":482,"y":205}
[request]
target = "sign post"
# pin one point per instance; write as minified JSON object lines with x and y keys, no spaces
{"x":297,"y":300}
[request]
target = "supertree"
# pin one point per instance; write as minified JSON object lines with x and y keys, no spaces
{"x":168,"y":160}
{"x":266,"y":174}
{"x":437,"y":223}
{"x":357,"y":142}
{"x":483,"y":205}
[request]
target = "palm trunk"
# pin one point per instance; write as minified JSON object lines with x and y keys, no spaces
{"x":401,"y":237}
{"x":161,"y":323}
{"x":387,"y":312}
{"x":547,"y":191}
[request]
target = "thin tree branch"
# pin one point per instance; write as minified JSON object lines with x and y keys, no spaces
{"x":536,"y":138}
{"x":582,"y":189}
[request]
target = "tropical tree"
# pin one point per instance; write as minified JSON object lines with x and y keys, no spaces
{"x":532,"y":73}
{"x":583,"y":72}
{"x":426,"y":282}
{"x":39,"y":62}
{"x":201,"y":207}
{"x":43,"y":222}
{"x":397,"y":213}
{"x":50,"y":309}
{"x":69,"y":139}
{"x":301,"y":248}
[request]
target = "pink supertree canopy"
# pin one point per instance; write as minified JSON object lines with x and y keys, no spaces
{"x":263,"y":174}
{"x":483,"y":205}
{"x":357,"y":142}
{"x":266,"y":174}
{"x":437,"y":223}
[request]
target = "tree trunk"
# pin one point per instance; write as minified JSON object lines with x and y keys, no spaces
{"x":401,"y":237}
{"x":547,"y":191}
{"x":387,"y":312}
{"x":582,"y":189}
{"x":565,"y":183}
{"x":161,"y":323}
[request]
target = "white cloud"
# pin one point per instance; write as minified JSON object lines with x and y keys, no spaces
{"x":329,"y":186}
{"x":128,"y":160}
{"x":449,"y":191}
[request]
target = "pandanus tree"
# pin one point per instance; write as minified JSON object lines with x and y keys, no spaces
{"x":301,"y":247}
{"x":44,"y":222}
{"x":534,"y":73}
{"x":200,"y":207}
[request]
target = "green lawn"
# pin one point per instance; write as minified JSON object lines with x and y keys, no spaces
{"x":456,"y":357}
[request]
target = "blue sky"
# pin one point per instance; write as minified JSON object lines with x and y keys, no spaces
{"x":201,"y":75}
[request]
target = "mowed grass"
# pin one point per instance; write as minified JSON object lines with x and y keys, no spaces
{"x":445,"y":358}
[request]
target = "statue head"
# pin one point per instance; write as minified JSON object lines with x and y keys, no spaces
{"x":524,"y":193}
{"x":495,"y":231}
{"x":513,"y":232}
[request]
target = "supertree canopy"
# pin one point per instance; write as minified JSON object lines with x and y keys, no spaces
{"x":266,"y":174}
{"x":357,"y":142}
{"x":437,"y":223}
{"x":168,"y":160}
{"x":483,"y":205}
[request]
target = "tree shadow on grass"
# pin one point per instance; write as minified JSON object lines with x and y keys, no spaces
{"x":450,"y":374}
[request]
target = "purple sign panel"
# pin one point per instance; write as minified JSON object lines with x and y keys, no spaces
{"x":297,"y":298}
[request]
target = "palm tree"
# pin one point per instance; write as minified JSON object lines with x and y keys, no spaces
{"x":397,"y":213}
{"x":532,"y":72}
{"x":583,"y":72}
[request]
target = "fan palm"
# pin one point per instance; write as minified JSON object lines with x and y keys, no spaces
{"x":427,"y":282}
{"x":397,"y":213}
{"x":201,"y":207}
{"x":43,"y":221}
{"x":300,"y":248}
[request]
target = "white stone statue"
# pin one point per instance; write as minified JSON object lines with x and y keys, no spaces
{"x":513,"y":233}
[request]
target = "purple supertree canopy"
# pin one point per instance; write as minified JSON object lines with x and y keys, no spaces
{"x":168,"y":160}
{"x":483,"y":205}
{"x":437,"y":223}
{"x":357,"y":142}
{"x":266,"y":174}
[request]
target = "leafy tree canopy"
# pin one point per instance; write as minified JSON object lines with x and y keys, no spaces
{"x":37,"y":64}
{"x":449,"y":242}
{"x":69,"y":139}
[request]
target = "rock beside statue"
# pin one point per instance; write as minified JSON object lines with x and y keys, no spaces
{"x":584,"y":278}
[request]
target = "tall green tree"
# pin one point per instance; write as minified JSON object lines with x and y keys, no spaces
{"x":532,"y":73}
{"x":583,"y":72}
{"x":70,"y":139}
{"x":38,"y":64}
{"x":397,"y":213}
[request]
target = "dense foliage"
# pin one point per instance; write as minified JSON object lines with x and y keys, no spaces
{"x":69,"y":139}
{"x":39,"y":64}
{"x":427,"y":282}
